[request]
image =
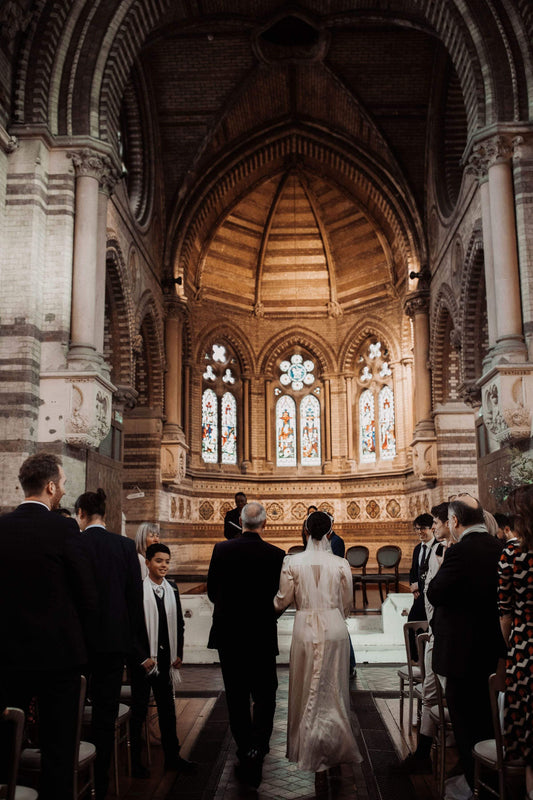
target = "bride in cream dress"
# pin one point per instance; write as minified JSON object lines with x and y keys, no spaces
{"x":319,"y":734}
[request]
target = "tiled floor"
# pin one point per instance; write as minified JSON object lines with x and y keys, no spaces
{"x":379,"y":737}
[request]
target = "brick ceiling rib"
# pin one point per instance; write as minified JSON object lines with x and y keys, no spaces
{"x":295,"y":243}
{"x":101,"y":39}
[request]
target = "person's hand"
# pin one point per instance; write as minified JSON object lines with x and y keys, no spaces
{"x":414,"y":589}
{"x":177,"y":663}
{"x":148,"y":665}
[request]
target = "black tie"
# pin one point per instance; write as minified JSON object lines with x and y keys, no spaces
{"x":422,"y":560}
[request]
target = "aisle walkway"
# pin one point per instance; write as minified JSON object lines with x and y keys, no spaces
{"x":201,"y":700}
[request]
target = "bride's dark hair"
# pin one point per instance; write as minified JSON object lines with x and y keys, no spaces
{"x":318,"y":524}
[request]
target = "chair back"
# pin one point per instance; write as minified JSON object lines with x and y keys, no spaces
{"x":389,"y":557}
{"x":296,"y":548}
{"x":357,"y":557}
{"x":79,"y":722}
{"x":441,"y":704}
{"x":414,"y":625}
{"x":14,"y":719}
{"x":421,"y":642}
{"x":496,"y":719}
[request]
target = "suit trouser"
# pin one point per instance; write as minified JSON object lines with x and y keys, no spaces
{"x":166,"y":710}
{"x":249,"y":675}
{"x":106,"y":671}
{"x":57,"y":693}
{"x":470,"y":714}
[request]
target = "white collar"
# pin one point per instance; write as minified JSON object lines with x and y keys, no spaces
{"x":95,"y":525}
{"x":37,"y":502}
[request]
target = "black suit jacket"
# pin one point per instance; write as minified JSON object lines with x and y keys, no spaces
{"x":180,"y":628}
{"x":120,"y":602}
{"x":242,"y":581}
{"x":47,"y":591}
{"x":233,"y":516}
{"x":465,"y":623}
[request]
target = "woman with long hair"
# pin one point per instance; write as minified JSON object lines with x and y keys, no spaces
{"x":147,"y":534}
{"x":319,"y":734}
{"x":516,"y":616}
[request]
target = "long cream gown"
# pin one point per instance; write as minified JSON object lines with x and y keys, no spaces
{"x":319,"y":733}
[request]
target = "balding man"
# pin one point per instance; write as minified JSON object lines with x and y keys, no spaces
{"x":242,"y":581}
{"x":468,"y":640}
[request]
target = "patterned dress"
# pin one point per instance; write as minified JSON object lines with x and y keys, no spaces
{"x":515,"y":597}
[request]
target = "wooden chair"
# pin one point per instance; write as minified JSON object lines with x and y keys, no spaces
{"x":84,"y":755}
{"x":410,"y":673}
{"x":388,"y":558}
{"x":418,"y":688}
{"x":357,"y":557}
{"x":490,"y":753}
{"x":296,"y":548}
{"x":441,"y":717}
{"x":13,"y":718}
{"x":122,"y":736}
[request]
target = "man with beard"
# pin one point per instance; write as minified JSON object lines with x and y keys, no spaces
{"x":48,"y":601}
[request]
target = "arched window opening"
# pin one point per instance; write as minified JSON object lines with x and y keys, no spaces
{"x":220,"y":402}
{"x":376,"y":407}
{"x":298,"y":413}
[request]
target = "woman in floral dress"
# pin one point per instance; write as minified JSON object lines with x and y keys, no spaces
{"x":516,"y":613}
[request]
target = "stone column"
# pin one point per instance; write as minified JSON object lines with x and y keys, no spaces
{"x":348,"y":381}
{"x":268,"y":420}
{"x":478,"y":165}
{"x":173,"y":444}
{"x":246,"y":461}
{"x":92,"y":171}
{"x":509,"y":346}
{"x":327,"y":422}
{"x":523,"y":197}
{"x":424,"y":442}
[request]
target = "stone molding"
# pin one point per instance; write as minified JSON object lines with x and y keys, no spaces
{"x":416,"y":303}
{"x":91,"y":164}
{"x":507,"y":400}
{"x":8,"y":143}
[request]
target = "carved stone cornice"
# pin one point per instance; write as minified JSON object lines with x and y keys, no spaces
{"x":91,"y":164}
{"x":125,"y":396}
{"x":175,"y":308}
{"x":8,"y":143}
{"x":416,"y":303}
{"x":496,"y":149}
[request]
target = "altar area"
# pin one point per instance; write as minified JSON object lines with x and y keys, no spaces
{"x":376,"y":637}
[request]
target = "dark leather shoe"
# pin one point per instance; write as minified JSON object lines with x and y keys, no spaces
{"x":180,"y":764}
{"x":138,"y":771}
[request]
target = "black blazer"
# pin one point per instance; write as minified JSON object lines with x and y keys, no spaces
{"x":466,"y":623}
{"x":180,"y":628}
{"x":242,"y":581}
{"x":233,"y":516}
{"x":118,"y":578}
{"x":47,"y":591}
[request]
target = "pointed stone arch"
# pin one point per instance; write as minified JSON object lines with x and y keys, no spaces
{"x":295,"y":337}
{"x":473,"y":309}
{"x":371,"y":326}
{"x":235,"y":337}
{"x":119,"y":320}
{"x":444,"y":356}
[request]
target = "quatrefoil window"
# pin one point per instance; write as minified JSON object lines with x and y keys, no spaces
{"x":297,"y":372}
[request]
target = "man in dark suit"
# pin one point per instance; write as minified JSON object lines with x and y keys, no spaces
{"x":468,"y":640}
{"x":232,"y":520}
{"x":242,"y":581}
{"x":48,"y":601}
{"x":120,"y":624}
{"x":423,"y":527}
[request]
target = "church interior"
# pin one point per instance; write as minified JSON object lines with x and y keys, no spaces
{"x":278,"y":248}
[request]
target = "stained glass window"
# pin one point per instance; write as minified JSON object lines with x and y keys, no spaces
{"x":228,"y":429}
{"x":387,"y":440}
{"x":286,"y":432}
{"x":209,"y":427}
{"x":310,"y":431}
{"x":368,"y":426}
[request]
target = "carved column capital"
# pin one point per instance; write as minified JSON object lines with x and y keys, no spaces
{"x":8,"y":143}
{"x":496,"y":149}
{"x":91,"y":164}
{"x":416,"y":303}
{"x":175,"y":309}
